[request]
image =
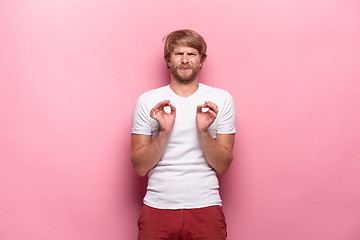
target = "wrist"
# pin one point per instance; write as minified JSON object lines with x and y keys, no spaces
{"x":165,"y":133}
{"x":202,"y":132}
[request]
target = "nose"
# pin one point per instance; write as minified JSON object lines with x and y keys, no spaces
{"x":185,"y":58}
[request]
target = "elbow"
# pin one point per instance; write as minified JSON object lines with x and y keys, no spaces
{"x":222,"y":170}
{"x":225,"y":166}
{"x":137,"y":168}
{"x":140,"y":173}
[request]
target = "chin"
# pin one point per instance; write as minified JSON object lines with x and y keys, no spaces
{"x":186,"y":79}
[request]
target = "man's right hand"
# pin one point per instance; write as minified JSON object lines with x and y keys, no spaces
{"x":166,"y":120}
{"x":146,"y":152}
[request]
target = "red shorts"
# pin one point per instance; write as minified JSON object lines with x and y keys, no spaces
{"x":206,"y":223}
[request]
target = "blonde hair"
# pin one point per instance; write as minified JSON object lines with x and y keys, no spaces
{"x":187,"y":38}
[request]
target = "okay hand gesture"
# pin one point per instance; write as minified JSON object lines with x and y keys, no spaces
{"x":205,"y":119}
{"x":166,"y":120}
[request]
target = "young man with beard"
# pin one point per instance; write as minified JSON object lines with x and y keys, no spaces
{"x":183,"y":136}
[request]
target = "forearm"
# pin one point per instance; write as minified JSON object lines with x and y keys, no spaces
{"x":218,"y":156}
{"x":146,"y":156}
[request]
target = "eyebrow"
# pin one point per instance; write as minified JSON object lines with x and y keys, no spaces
{"x":182,"y":52}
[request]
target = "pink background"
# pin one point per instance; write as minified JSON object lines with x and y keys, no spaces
{"x":72,"y":70}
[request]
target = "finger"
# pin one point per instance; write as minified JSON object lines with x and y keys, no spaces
{"x":173,"y":109}
{"x":213,"y":113}
{"x":152,"y":113}
{"x":212,"y":106}
{"x":200,"y":107}
{"x":162,"y":104}
{"x":159,"y":106}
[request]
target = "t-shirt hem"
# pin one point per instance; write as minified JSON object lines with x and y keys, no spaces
{"x":140,"y":132}
{"x":180,"y":206}
{"x":230,"y":132}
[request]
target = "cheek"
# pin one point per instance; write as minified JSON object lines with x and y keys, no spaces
{"x":197,"y":62}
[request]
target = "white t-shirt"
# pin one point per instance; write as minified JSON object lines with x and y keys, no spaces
{"x":183,"y":179}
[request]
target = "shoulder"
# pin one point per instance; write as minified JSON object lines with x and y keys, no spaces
{"x":155,"y":92}
{"x":217,"y":92}
{"x":154,"y":95}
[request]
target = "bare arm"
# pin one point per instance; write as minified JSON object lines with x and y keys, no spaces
{"x":218,"y":152}
{"x":146,"y":152}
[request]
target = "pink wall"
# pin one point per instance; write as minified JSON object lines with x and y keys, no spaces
{"x":71,"y":72}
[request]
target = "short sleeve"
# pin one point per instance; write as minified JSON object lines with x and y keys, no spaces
{"x":227,"y":118}
{"x":141,"y":122}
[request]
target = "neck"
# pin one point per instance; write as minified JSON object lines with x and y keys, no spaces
{"x":184,"y":89}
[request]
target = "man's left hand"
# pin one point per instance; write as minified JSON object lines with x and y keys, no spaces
{"x":206,"y":118}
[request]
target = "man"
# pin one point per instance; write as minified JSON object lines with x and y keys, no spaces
{"x":182,"y":136}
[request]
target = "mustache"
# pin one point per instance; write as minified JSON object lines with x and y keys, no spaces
{"x":185,"y":66}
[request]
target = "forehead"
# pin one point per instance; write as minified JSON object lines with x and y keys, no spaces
{"x":181,"y":48}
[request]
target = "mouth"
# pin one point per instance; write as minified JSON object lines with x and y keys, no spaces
{"x":184,"y":68}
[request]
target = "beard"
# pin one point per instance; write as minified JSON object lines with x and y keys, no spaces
{"x":185,"y":76}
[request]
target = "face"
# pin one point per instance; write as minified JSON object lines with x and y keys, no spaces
{"x":185,"y":64}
